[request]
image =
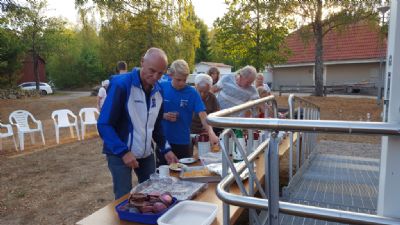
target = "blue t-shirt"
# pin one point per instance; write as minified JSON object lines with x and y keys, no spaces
{"x":185,"y":102}
{"x":165,"y":78}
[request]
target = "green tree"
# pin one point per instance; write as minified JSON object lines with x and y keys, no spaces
{"x":11,"y":47}
{"x":33,"y":27}
{"x":11,"y":52}
{"x":77,"y":62}
{"x":323,"y":16}
{"x":250,"y":33}
{"x":202,"y":52}
{"x":62,"y":67}
{"x":131,"y":27}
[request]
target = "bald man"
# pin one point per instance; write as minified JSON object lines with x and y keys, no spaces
{"x":131,"y":118}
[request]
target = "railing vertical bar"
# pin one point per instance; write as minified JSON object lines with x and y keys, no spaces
{"x":308,"y":134}
{"x":273,"y":178}
{"x":224,"y":143}
{"x":298,"y":141}
{"x":303,"y":138}
{"x":253,"y":219}
{"x":290,"y":156}
{"x":315,"y":134}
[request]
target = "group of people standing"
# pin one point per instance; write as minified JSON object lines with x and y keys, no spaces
{"x":145,"y":104}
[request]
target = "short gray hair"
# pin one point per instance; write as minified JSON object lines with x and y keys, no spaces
{"x":202,"y":79}
{"x":180,"y":66}
{"x":247,"y":71}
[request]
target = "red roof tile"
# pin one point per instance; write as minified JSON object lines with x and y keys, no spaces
{"x":357,"y":42}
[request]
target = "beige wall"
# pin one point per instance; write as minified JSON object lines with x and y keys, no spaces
{"x":352,"y":73}
{"x":335,"y":74}
{"x":292,"y":76}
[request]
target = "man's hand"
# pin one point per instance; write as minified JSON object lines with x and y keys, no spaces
{"x":170,"y":157}
{"x":171,"y":116}
{"x":130,"y":160}
{"x":214,"y":140}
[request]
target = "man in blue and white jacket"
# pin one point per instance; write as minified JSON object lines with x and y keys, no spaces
{"x":131,"y":116}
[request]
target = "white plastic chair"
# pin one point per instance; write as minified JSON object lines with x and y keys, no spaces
{"x":87,"y":117}
{"x":61,"y":120}
{"x":19,"y":118}
{"x":9,"y":133}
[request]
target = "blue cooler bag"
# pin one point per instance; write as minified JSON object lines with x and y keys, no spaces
{"x":147,"y":218}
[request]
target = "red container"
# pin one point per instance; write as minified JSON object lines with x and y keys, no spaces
{"x":256,"y":135}
{"x":203,"y":138}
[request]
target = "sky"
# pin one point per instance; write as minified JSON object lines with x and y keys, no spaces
{"x":207,"y":10}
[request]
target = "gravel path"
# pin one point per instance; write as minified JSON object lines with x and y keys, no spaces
{"x":350,"y":149}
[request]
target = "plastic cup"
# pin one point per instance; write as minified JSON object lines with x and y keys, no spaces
{"x":176,"y":113}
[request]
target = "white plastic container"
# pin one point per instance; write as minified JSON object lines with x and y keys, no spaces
{"x":203,"y":144}
{"x":203,"y":148}
{"x":189,"y":213}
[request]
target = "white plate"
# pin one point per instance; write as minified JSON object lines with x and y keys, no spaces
{"x":187,"y":160}
{"x":179,"y":168}
{"x":189,"y":212}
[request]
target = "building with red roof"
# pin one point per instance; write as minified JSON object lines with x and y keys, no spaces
{"x":203,"y":67}
{"x":353,"y":55}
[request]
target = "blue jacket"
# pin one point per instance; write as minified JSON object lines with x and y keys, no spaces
{"x":129,"y":120}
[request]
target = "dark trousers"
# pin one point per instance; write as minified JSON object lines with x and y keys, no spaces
{"x":181,"y":151}
{"x":122,"y":174}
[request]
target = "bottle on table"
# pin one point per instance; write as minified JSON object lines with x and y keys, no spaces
{"x":203,"y":144}
{"x":236,"y":155}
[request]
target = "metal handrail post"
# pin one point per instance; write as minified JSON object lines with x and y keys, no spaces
{"x":303,"y":139}
{"x":290,"y":155}
{"x":252,"y":212}
{"x":224,"y":143}
{"x":298,"y":142}
{"x":273,"y":179}
{"x":291,"y":116}
{"x":312,"y":135}
{"x":309,"y":135}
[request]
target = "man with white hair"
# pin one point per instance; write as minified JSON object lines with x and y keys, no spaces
{"x":180,"y":102}
{"x":238,"y":89}
{"x":203,"y":83}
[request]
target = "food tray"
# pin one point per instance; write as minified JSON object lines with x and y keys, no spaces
{"x":181,"y":190}
{"x":190,"y":212}
{"x":147,"y":218}
{"x":207,"y":179}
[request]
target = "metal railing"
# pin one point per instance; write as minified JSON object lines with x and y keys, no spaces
{"x":228,"y":140}
{"x":301,"y":109}
{"x":272,"y":204}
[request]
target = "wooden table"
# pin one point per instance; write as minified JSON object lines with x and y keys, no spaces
{"x":108,"y":216}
